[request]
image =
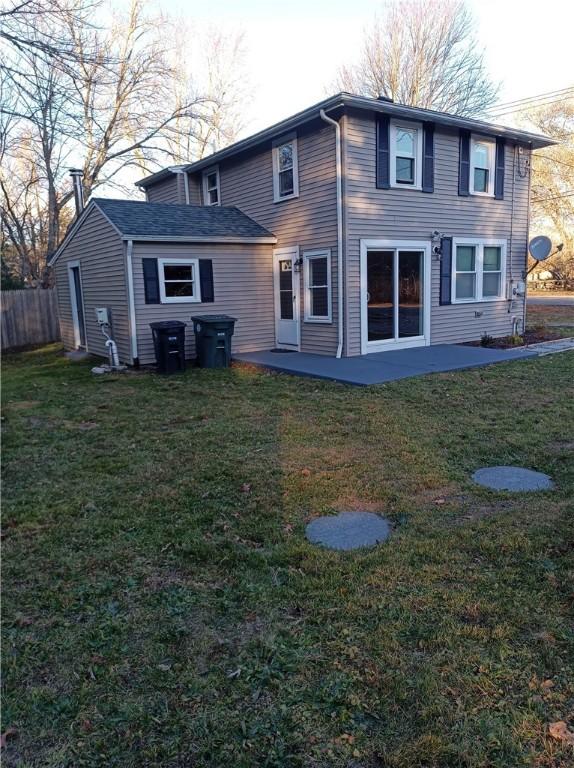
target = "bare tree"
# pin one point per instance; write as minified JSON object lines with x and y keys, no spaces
{"x":553,"y":184}
{"x":422,"y":53}
{"x":115,"y":112}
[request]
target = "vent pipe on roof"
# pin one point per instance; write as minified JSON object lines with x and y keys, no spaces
{"x":77,"y":175}
{"x":382,"y":97}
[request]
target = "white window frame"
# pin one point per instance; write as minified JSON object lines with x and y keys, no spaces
{"x":479,"y":245}
{"x":491,"y":144}
{"x":308,"y":257}
{"x":418,"y":158}
{"x":289,"y":139}
{"x":208,"y":172}
{"x":196,"y":298}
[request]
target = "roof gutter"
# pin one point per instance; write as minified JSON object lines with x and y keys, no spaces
{"x":339,"y":166}
{"x":264,"y":240}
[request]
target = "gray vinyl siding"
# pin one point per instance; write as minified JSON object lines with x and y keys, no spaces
{"x":409,"y":214}
{"x":168,"y":190}
{"x":243,"y":288}
{"x":100,"y":251}
{"x":308,"y":221}
{"x":172,"y":190}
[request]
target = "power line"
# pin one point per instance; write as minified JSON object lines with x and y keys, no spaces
{"x":555,"y":197}
{"x":535,"y":105}
{"x":505,"y":104}
{"x":554,"y":160}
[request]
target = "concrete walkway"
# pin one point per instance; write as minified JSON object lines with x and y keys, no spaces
{"x":381,"y":367}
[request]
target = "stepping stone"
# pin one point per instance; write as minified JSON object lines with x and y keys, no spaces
{"x":348,"y":530}
{"x":512,"y":479}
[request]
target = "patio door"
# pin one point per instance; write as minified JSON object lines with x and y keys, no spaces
{"x":395,"y":295}
{"x":77,"y":304}
{"x":287,"y":309}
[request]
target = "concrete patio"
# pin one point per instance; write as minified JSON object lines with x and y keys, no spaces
{"x":382,"y":367}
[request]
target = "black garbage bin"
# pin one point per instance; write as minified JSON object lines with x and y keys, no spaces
{"x":169,"y":344}
{"x":213,"y":340}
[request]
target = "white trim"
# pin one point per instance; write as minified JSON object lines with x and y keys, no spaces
{"x":289,"y":139}
{"x":278,"y":254}
{"x":308,"y":256}
{"x":196,"y":298}
{"x":131,"y":301}
{"x":479,"y":244}
{"x":396,"y":245}
{"x":491,"y":144}
{"x":418,"y":156}
{"x":264,"y":240}
{"x":74,"y":304}
{"x":214,"y":169}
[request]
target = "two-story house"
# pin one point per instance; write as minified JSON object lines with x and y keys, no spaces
{"x":355,"y":226}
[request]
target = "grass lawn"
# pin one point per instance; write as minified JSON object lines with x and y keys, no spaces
{"x":558,"y":320}
{"x":163,"y":608}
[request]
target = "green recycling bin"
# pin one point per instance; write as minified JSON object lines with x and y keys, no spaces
{"x":213,"y":340}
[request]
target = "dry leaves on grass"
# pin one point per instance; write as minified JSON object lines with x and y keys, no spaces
{"x":561,"y":732}
{"x":9,"y":733}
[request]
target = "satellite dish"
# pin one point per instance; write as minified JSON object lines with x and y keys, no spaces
{"x":540,"y":247}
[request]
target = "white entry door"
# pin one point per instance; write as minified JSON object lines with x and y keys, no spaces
{"x":287,"y":309}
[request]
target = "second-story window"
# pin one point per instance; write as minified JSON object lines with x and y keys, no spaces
{"x":406,"y":155}
{"x":482,"y":166}
{"x":285,"y":169}
{"x":211,"y":195}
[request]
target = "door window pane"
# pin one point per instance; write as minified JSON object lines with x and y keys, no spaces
{"x":286,"y":289}
{"x":465,"y":286}
{"x":380,"y":299}
{"x":410,"y":293}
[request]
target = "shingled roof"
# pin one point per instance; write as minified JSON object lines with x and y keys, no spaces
{"x":137,"y":220}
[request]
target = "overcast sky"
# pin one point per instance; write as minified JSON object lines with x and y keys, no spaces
{"x":294,"y":48}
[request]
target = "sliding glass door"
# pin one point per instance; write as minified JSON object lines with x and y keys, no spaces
{"x":395,"y":289}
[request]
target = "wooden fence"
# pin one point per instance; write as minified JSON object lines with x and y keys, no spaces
{"x":29,"y":317}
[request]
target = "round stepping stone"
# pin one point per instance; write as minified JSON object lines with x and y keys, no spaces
{"x":512,"y":479}
{"x":348,"y":530}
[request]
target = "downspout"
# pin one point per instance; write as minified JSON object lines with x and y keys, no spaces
{"x":339,"y":165}
{"x":131,"y":304}
{"x":527,"y":239}
{"x":185,"y":184}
